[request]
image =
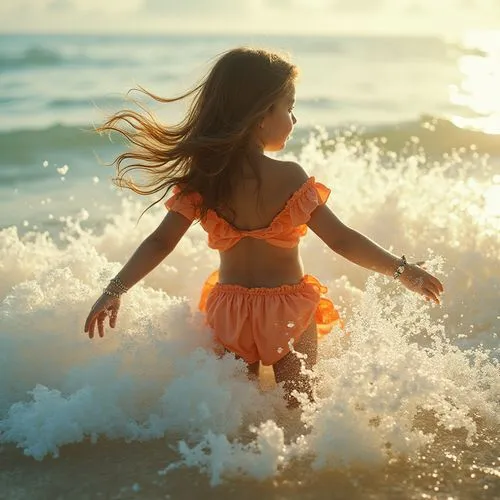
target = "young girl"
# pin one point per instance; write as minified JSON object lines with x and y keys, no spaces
{"x":254,"y":208}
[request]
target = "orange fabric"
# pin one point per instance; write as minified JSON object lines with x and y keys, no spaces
{"x":285,"y":231}
{"x":185,"y":205}
{"x":258,"y":323}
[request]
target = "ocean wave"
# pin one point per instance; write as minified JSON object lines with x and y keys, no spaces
{"x":431,"y":135}
{"x":31,"y":57}
{"x":27,"y":146}
{"x":44,"y":57}
{"x":414,"y":390}
{"x":85,"y":102}
{"x":435,"y":136}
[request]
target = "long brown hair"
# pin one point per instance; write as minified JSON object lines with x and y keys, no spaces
{"x":202,"y":153}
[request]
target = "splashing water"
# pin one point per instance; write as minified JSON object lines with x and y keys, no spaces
{"x":390,"y":393}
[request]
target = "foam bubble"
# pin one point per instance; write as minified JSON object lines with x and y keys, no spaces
{"x":63,"y":170}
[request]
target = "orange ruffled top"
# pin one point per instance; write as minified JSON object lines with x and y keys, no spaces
{"x":285,"y":230}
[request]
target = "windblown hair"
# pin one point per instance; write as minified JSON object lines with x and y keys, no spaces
{"x":203,"y":153}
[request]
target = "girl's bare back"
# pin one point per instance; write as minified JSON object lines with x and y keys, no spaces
{"x":254,"y":262}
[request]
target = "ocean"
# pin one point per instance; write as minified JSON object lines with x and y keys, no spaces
{"x":405,"y":131}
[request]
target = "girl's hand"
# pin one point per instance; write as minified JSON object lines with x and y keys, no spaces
{"x":106,"y":305}
{"x":419,"y":280}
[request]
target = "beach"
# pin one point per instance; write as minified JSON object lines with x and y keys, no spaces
{"x":408,"y":397}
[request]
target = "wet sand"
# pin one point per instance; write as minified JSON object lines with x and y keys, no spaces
{"x":119,"y":470}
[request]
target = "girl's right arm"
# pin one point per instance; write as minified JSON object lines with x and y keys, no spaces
{"x":148,"y":255}
{"x":359,"y":249}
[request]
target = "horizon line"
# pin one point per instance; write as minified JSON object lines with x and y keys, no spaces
{"x":339,"y":34}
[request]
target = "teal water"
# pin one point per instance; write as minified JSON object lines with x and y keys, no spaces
{"x":54,"y":89}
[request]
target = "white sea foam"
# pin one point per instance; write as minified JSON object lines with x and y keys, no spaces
{"x":156,"y":374}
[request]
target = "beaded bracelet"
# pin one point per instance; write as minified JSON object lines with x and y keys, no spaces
{"x":111,"y":293}
{"x":400,"y":269}
{"x":119,"y":284}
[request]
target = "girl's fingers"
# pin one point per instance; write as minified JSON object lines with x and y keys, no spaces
{"x":100,"y":310}
{"x":100,"y":325}
{"x":433,"y":279}
{"x":431,"y":295}
{"x":91,"y":326}
{"x":431,"y":286}
{"x":90,"y":322}
{"x":438,"y":284}
{"x":426,"y":287}
{"x":112,"y":317}
{"x":93,"y":317}
{"x":435,"y":285}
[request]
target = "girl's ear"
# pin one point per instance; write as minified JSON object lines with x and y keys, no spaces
{"x":268,"y":112}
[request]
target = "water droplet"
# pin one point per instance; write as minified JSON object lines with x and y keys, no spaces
{"x":63,"y":170}
{"x":280,"y":350}
{"x":45,"y":164}
{"x":290,"y":324}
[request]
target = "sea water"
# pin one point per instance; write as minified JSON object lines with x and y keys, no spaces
{"x":408,"y":393}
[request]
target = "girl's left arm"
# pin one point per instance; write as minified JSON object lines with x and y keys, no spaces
{"x":148,"y":255}
{"x":361,"y":250}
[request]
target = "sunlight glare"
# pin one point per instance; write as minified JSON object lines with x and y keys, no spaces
{"x":478,"y":92}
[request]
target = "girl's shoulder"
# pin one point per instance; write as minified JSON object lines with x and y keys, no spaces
{"x":289,"y":175}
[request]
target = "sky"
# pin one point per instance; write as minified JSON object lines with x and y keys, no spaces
{"x":251,"y":16}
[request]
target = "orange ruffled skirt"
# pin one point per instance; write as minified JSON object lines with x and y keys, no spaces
{"x":257,"y":324}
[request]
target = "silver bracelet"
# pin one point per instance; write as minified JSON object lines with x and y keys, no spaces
{"x":400,"y":269}
{"x":119,"y":284}
{"x":111,"y":293}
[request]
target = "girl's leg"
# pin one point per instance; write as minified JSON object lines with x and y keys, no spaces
{"x":287,"y":369}
{"x":253,"y":368}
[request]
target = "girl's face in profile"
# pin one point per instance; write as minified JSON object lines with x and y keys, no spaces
{"x":278,"y":123}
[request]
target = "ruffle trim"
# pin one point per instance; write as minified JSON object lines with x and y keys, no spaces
{"x":287,"y":227}
{"x":304,"y":201}
{"x":186,"y":205}
{"x":326,"y":315}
